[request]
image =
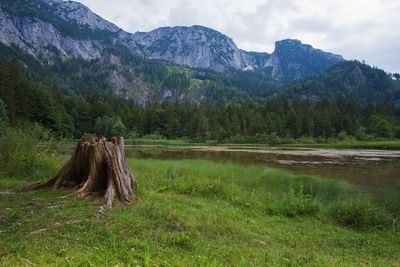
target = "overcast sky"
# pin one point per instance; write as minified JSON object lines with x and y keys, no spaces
{"x":357,"y":29}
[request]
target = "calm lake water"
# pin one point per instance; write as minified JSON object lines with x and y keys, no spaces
{"x":374,"y":169}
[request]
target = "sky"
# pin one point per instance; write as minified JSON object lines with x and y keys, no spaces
{"x":366,"y":30}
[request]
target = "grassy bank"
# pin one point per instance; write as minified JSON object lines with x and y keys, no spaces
{"x":386,"y":145}
{"x":200,"y":213}
{"x":354,"y":144}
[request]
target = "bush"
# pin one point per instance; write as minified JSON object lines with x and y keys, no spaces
{"x":274,"y":139}
{"x":361,"y":134}
{"x":359,"y":212}
{"x":3,"y":116}
{"x":109,"y":126}
{"x":18,"y":152}
{"x":132,"y":135}
{"x":344,"y":136}
{"x":306,"y":140}
{"x":382,"y":127}
{"x":20,"y":155}
{"x":154,"y":136}
{"x":397,"y":131}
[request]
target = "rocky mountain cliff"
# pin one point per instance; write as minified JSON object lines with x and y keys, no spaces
{"x":201,"y":47}
{"x":51,"y":30}
{"x":196,"y":47}
{"x":293,"y":60}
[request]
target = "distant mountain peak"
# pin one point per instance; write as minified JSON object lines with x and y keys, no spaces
{"x":195,"y":46}
{"x":53,"y":1}
{"x":288,"y":44}
{"x":288,"y":41}
{"x":292,"y":60}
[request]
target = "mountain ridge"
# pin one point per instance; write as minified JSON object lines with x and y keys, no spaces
{"x":66,"y":46}
{"x":53,"y":22}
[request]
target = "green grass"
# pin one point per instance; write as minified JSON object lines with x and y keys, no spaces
{"x":388,"y":145}
{"x":195,"y":83}
{"x":172,"y":142}
{"x":200,"y":213}
{"x":385,"y":145}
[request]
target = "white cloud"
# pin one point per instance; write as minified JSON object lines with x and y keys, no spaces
{"x":357,"y":29}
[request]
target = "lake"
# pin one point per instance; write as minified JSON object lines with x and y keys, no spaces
{"x":371,"y":169}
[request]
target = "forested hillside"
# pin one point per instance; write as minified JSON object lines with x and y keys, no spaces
{"x":80,"y":74}
{"x":245,"y":120}
{"x":351,"y":79}
{"x":65,"y":47}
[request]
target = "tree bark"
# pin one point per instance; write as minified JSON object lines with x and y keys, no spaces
{"x":97,"y":167}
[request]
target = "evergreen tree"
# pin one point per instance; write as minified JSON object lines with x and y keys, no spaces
{"x":3,"y":116}
{"x":109,"y":126}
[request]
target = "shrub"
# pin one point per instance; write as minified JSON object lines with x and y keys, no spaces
{"x":361,"y":133}
{"x":21,"y":155}
{"x":382,"y":127}
{"x":154,"y":136}
{"x":288,"y":140}
{"x":306,"y":140}
{"x":18,"y":152}
{"x":359,"y":212}
{"x":132,"y":135}
{"x":109,"y":126}
{"x":3,"y":116}
{"x":344,"y":136}
{"x":274,"y":139}
{"x":47,"y":165}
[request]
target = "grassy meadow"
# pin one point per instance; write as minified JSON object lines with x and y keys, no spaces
{"x":201,"y":213}
{"x":346,"y":144}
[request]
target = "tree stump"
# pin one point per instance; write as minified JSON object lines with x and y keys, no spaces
{"x":97,"y":167}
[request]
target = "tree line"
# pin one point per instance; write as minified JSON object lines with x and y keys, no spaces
{"x":244,"y":121}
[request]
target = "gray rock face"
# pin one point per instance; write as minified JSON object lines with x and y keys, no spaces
{"x":53,"y":29}
{"x":82,"y":15}
{"x":43,"y":40}
{"x":200,"y":47}
{"x":292,"y":60}
{"x":254,"y":60}
{"x":196,"y":46}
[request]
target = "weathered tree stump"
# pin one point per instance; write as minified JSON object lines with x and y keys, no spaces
{"x":97,"y":167}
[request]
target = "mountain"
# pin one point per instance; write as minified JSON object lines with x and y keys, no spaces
{"x":351,"y":80}
{"x":51,"y":29}
{"x":65,"y":45}
{"x":201,"y":47}
{"x":196,"y":47}
{"x":55,"y":29}
{"x":293,"y":61}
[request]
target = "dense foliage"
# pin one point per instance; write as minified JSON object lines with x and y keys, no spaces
{"x":263,"y":121}
{"x":3,"y":116}
{"x":22,"y":154}
{"x":350,"y":79}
